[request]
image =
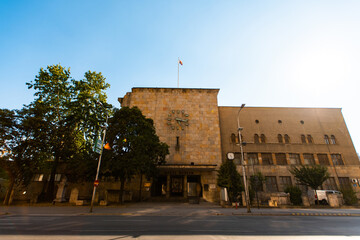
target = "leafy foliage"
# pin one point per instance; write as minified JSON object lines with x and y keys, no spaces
{"x":64,"y":118}
{"x":295,"y":194}
{"x":349,"y":195}
{"x":311,"y":176}
{"x":135,"y":147}
{"x":228,"y":177}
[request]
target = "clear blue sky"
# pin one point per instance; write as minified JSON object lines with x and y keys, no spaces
{"x":262,"y":53}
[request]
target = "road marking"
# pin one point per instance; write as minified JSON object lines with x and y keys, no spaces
{"x":126,"y":220}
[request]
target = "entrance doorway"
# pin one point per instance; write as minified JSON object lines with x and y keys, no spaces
{"x":158,"y":188}
{"x":176,"y":186}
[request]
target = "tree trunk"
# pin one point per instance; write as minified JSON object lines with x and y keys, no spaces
{"x":122,"y":186}
{"x":7,"y":200}
{"x":49,"y":194}
{"x":140,"y":187}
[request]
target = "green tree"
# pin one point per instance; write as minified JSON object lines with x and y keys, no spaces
{"x":295,"y":194}
{"x":311,"y":176}
{"x":18,"y":159}
{"x":228,"y":177}
{"x":135,"y":147}
{"x":67,"y":115}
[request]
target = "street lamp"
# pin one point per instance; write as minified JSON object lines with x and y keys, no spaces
{"x":247,"y":200}
{"x":96,"y":182}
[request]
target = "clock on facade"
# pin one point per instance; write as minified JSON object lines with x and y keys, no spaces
{"x":178,"y":119}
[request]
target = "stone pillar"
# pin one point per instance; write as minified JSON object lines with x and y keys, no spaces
{"x":74,"y":195}
{"x":168,"y":186}
{"x":60,"y":194}
{"x":273,"y":156}
{"x":185,"y":190}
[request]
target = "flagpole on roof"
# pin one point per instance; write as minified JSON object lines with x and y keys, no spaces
{"x":179,"y":62}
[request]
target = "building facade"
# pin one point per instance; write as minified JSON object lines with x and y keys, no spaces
{"x":201,"y":134}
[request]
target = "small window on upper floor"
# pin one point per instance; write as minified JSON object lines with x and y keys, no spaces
{"x":256,"y":138}
{"x":303,"y":138}
{"x":263,"y":138}
{"x":333,"y":139}
{"x":337,"y":159}
{"x":309,"y":138}
{"x":280,"y":138}
{"x":233,"y":138}
{"x":326,"y":138}
{"x":287,"y":138}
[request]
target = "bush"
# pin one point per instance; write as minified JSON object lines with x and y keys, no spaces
{"x":295,"y":194}
{"x":349,"y":195}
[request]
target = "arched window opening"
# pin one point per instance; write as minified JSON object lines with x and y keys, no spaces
{"x":287,"y":138}
{"x":326,"y":138}
{"x":280,"y":138}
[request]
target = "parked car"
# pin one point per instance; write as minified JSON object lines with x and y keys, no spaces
{"x":321,"y":196}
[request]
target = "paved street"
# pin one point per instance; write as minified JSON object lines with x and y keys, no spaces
{"x":180,"y":221}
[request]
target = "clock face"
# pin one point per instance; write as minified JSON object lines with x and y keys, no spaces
{"x":178,"y":119}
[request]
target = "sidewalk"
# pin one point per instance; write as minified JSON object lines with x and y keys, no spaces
{"x":172,"y":209}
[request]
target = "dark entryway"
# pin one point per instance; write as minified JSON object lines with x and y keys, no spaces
{"x":159,"y":187}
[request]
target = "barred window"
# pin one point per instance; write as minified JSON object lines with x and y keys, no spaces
{"x":253,"y":158}
{"x":330,"y":184}
{"x":266,"y":158}
{"x":333,"y":140}
{"x":344,"y":182}
{"x":256,"y":138}
{"x":303,"y":139}
{"x":263,"y":138}
{"x":294,"y":159}
{"x":271,"y":184}
{"x":323,"y":159}
{"x":280,"y":138}
{"x":285,"y":181}
{"x":336,"y":159}
{"x":287,"y":138}
{"x":309,"y":159}
{"x":309,"y":138}
{"x":280,"y":159}
{"x":326,"y":138}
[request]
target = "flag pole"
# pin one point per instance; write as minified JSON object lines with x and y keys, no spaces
{"x":178,"y":72}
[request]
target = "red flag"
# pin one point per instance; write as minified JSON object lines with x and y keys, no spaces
{"x":180,"y":62}
{"x":107,"y":146}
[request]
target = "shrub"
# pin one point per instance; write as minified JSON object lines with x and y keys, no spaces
{"x":295,"y":194}
{"x":349,"y":195}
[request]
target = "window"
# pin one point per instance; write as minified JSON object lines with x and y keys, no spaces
{"x":326,"y":138}
{"x":256,"y":121}
{"x":177,"y":146}
{"x":263,"y":139}
{"x":323,"y":159}
{"x":294,"y":159}
{"x":256,"y":138}
{"x":266,"y":159}
{"x":333,"y":140}
{"x":287,"y":138}
{"x":344,"y":182}
{"x":38,"y":177}
{"x":285,"y":182}
{"x":336,"y":159}
{"x":309,"y":138}
{"x":233,"y":138}
{"x":309,"y":159}
{"x":57,"y":177}
{"x":237,"y":158}
{"x":330,"y":184}
{"x":280,"y":159}
{"x":303,"y":139}
{"x":271,"y":184}
{"x":280,"y":138}
{"x":253,"y":158}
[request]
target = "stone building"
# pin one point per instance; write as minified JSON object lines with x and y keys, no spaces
{"x":200,"y":134}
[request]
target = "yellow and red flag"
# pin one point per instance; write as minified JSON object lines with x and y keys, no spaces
{"x":180,"y":62}
{"x":107,"y":146}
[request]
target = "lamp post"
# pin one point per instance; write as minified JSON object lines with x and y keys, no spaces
{"x":247,"y":200}
{"x":98,"y":167}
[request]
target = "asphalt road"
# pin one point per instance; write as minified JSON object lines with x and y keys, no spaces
{"x":49,"y":226}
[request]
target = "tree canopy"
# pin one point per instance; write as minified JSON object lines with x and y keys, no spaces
{"x":311,"y":176}
{"x":61,"y":123}
{"x":228,"y":177}
{"x":135,"y":147}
